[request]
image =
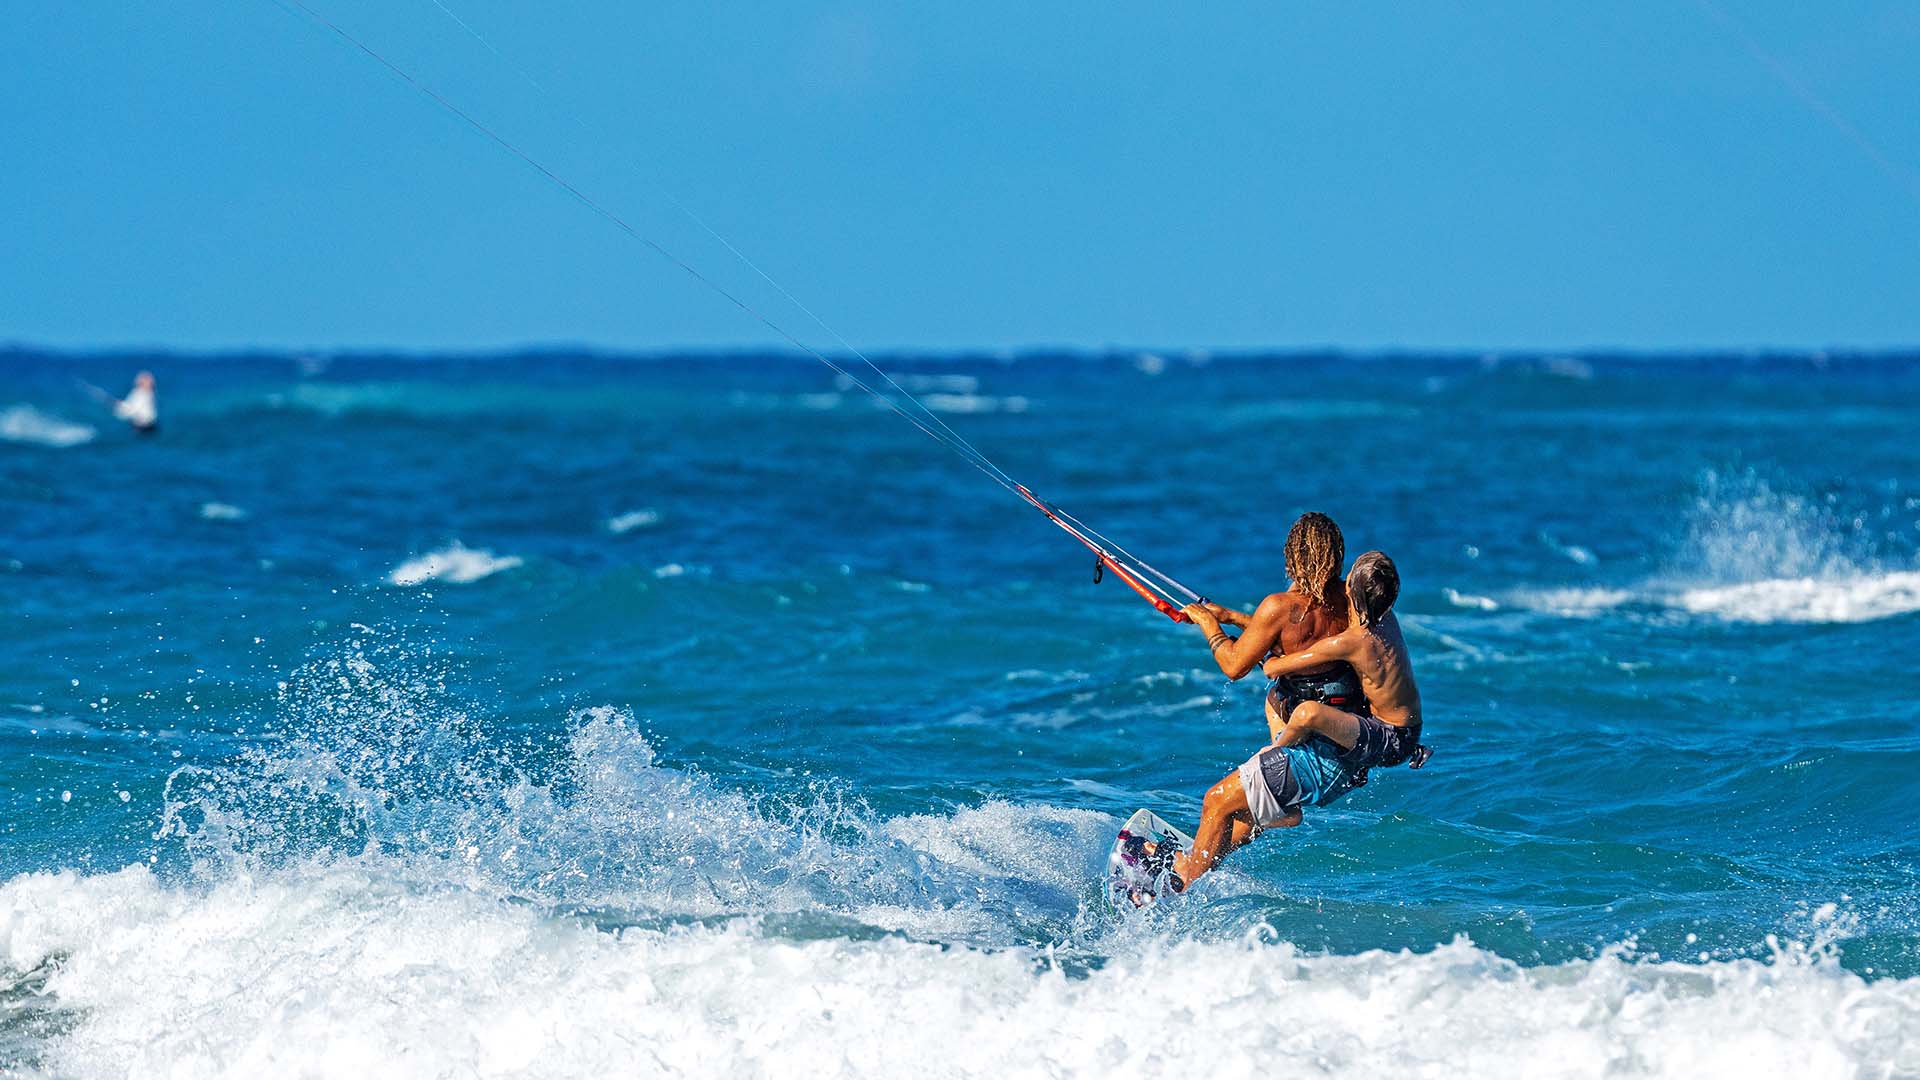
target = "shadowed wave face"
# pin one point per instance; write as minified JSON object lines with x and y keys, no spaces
{"x":561,"y":715}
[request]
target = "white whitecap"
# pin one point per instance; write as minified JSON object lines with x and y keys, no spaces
{"x":456,"y":563}
{"x":974,"y":403}
{"x":919,"y":383}
{"x":26,"y":424}
{"x":1568,"y":367}
{"x":633,"y":519}
{"x":1571,"y":601}
{"x":1575,"y":552}
{"x":1845,"y":598}
{"x":1851,"y":599}
{"x":355,"y":970}
{"x":1470,"y":600}
{"x":219,"y":511}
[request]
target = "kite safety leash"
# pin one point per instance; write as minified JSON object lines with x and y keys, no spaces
{"x":1134,"y":572}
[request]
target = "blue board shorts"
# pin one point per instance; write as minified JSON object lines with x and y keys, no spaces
{"x":1280,"y":778}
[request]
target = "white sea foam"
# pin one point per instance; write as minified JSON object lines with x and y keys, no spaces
{"x":918,"y":383}
{"x":219,"y":511}
{"x":26,"y":424}
{"x":1859,"y":598}
{"x":999,"y":839}
{"x":1472,"y":600}
{"x":633,"y":519}
{"x":1582,"y":555}
{"x":1568,"y":367}
{"x":1754,"y":555}
{"x":974,"y":403}
{"x":354,"y":971}
{"x":1851,"y":598}
{"x":456,"y":563}
{"x":1571,"y":601}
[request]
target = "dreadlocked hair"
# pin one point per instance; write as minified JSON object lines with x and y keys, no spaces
{"x":1315,"y":553}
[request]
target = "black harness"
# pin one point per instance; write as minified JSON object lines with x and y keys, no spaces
{"x":1338,"y":686}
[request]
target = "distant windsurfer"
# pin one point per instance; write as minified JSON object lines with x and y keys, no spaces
{"x":139,"y":408}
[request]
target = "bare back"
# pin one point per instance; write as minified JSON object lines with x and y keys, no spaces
{"x":1379,"y":654}
{"x":1303,"y":622}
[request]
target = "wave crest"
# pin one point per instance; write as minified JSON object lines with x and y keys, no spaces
{"x":456,"y":563}
{"x":26,"y":424}
{"x":341,"y":971}
{"x":1752,"y":554}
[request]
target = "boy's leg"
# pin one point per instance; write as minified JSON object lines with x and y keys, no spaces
{"x":1316,"y":717}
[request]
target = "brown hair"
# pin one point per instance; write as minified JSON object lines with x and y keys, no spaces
{"x":1372,"y":586}
{"x":1315,"y":551}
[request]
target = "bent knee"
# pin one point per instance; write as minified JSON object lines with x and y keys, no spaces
{"x":1308,"y":713}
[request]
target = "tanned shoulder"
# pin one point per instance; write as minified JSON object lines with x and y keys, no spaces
{"x":1298,"y":621}
{"x":1284,"y":606}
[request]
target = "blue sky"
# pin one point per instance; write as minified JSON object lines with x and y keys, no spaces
{"x":986,"y":174}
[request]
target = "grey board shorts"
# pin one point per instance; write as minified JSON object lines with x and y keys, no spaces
{"x":1279,"y":779}
{"x":1262,"y":804}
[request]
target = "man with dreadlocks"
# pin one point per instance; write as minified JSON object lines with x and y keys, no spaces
{"x":1267,"y":794}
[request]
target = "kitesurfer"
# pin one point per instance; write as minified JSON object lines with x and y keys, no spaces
{"x":1323,"y":750}
{"x":1244,"y":801}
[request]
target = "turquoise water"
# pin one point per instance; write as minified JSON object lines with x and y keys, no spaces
{"x":561,"y":714}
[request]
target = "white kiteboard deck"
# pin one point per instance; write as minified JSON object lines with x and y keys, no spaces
{"x":1128,"y":878}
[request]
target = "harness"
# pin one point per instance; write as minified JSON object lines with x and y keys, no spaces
{"x":1338,"y":686}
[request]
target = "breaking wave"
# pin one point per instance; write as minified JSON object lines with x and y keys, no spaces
{"x":219,"y":511}
{"x":351,"y":971}
{"x":1752,"y":554}
{"x":1854,"y":599}
{"x":383,"y":884}
{"x":633,"y":519}
{"x":26,"y":424}
{"x":456,"y":563}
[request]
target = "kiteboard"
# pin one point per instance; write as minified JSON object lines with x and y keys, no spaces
{"x":1135,"y":874}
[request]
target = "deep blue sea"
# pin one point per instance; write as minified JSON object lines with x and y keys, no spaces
{"x":562,"y":714}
